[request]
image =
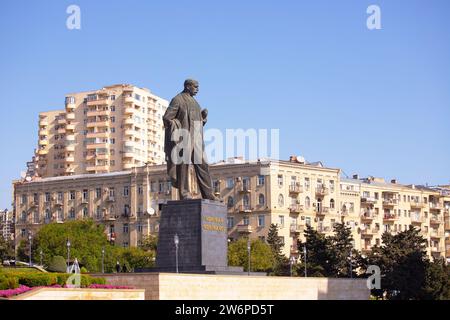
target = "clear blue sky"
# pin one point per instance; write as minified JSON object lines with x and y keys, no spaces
{"x":369,"y":102}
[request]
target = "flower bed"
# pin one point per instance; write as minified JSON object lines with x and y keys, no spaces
{"x":107,"y":286}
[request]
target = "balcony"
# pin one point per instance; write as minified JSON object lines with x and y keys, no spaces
{"x":436,"y":206}
{"x":390,"y":217}
{"x":43,"y":123}
{"x":70,"y":127}
{"x":324,"y":229}
{"x":436,"y":234}
{"x":70,"y":137}
{"x":70,"y":159}
{"x":418,"y":204}
{"x":111,"y":199}
{"x":43,"y":152}
{"x":366,"y":249}
{"x":69,"y":116}
{"x":322,"y":211}
{"x":296,"y":208}
{"x":244,"y":209}
{"x":128,"y":100}
{"x":99,"y":102}
{"x":98,"y":124}
{"x":70,"y":147}
{"x":295,"y":189}
{"x":390,"y":202}
{"x":128,"y":121}
{"x":127,"y":166}
{"x":43,"y":142}
{"x":70,"y":107}
{"x":367,"y":216}
{"x":98,"y":168}
{"x":129,"y":132}
{"x":435,"y":220}
{"x":97,"y":113}
{"x":297,"y":229}
{"x":102,"y":156}
{"x":43,"y":132}
{"x":128,"y":110}
{"x":109,"y":217}
{"x":417,"y":219}
{"x":368,"y":200}
{"x":321,"y":192}
{"x":369,"y":232}
{"x":245,"y":189}
{"x":437,"y":249}
{"x":91,"y":135}
{"x":243,"y":228}
{"x":102,"y":145}
{"x":61,"y":121}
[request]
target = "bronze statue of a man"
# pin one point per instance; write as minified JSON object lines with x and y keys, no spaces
{"x":184,"y":145}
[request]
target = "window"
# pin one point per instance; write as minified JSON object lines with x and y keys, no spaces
{"x":366,"y":194}
{"x":72,"y":195}
{"x":112,"y":192}
{"x":230,"y":183}
{"x":125,"y":228}
{"x":140,"y":228}
{"x":85,"y":195}
{"x":281,"y":221}
{"x":126,"y":210}
{"x":246,"y":201}
{"x":261,"y":200}
{"x":307,"y":184}
{"x":280,"y":180}
{"x":98,"y":212}
{"x":308,"y":221}
{"x":230,"y":202}
{"x":60,"y":196}
{"x":230,"y":222}
{"x":126,"y":191}
{"x":113,"y":97}
{"x":332,"y":204}
{"x":261,"y":180}
{"x":60,"y":215}
{"x":245,"y":221}
{"x":47,"y":197}
{"x":331,"y":186}
{"x":113,"y":119}
{"x":36,"y":217}
{"x":98,"y":193}
{"x":307,"y":202}
{"x":261,"y":221}
{"x":72,"y":213}
{"x":281,"y":200}
{"x":36,"y":197}
{"x":140,"y":190}
{"x":85,"y":212}
{"x":24,"y":199}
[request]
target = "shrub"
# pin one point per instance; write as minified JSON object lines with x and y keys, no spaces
{"x":57,"y":264}
{"x":8,"y":282}
{"x":84,"y":270}
{"x":37,"y":279}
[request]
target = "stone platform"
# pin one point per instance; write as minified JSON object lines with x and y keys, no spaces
{"x":163,"y":286}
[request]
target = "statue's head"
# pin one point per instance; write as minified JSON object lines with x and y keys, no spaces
{"x":191,"y":87}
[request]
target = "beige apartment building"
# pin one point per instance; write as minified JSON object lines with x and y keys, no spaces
{"x":7,"y":225}
{"x":291,"y":194}
{"x":112,"y":129}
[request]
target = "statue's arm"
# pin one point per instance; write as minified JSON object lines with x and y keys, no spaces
{"x":205,"y":116}
{"x":171,"y":113}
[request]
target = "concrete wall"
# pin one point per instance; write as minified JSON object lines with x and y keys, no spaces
{"x":81,"y":294}
{"x":166,"y":286}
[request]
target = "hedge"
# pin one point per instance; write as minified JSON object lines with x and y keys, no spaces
{"x":12,"y":280}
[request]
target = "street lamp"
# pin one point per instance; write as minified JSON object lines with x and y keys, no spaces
{"x":304,"y":253}
{"x":176,"y":240}
{"x":68,"y":253}
{"x":29,"y":241}
{"x":41,"y":254}
{"x":249,"y":250}
{"x":103,"y":260}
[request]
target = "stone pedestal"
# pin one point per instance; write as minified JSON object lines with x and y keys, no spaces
{"x":201,"y":226}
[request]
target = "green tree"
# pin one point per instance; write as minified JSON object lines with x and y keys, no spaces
{"x":57,"y":264}
{"x":261,"y":256}
{"x":135,"y":258}
{"x":281,"y":266}
{"x":149,"y":243}
{"x":437,"y":281}
{"x":319,"y":255}
{"x":87,"y":240}
{"x":6,"y":249}
{"x":341,"y":251}
{"x":403,"y":263}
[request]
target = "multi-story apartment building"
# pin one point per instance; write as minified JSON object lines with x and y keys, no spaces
{"x":108,"y":130}
{"x":7,"y":225}
{"x":291,"y":194}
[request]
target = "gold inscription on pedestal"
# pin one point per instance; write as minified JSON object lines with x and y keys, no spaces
{"x":213,"y":224}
